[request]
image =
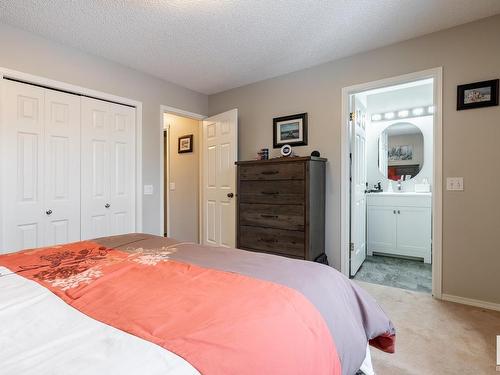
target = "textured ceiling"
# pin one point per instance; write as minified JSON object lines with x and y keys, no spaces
{"x":213,"y":45}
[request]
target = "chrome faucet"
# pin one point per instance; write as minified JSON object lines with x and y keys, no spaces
{"x":399,"y":183}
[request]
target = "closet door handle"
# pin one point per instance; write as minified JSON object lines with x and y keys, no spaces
{"x":107,"y":205}
{"x":399,"y":212}
{"x":394,"y":212}
{"x":48,"y":212}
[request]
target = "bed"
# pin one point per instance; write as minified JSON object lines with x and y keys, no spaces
{"x":139,"y":303}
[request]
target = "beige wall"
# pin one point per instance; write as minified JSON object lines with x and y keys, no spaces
{"x":29,"y":53}
{"x":471,"y":250}
{"x":184,"y":172}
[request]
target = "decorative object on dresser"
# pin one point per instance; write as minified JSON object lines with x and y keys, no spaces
{"x":281,"y":207}
{"x":185,"y":144}
{"x":291,"y":130}
{"x":477,"y":95}
{"x":286,"y":151}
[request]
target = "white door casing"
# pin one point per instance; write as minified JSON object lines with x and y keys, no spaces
{"x":358,"y":185}
{"x":220,"y":152}
{"x":41,"y":167}
{"x":108,"y":172}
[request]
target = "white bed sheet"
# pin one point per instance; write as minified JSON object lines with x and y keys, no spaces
{"x":40,"y":334}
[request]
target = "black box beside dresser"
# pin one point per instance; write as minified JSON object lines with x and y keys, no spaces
{"x":281,"y":207}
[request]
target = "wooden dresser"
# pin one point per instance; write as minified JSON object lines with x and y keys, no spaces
{"x":281,"y":207}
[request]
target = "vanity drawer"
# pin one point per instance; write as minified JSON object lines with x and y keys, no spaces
{"x":272,"y":192}
{"x":286,"y":242}
{"x":284,"y":171}
{"x":272,"y":216}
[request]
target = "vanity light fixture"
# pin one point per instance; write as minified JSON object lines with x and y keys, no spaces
{"x":389,"y":115}
{"x":417,"y":111}
{"x":403,"y":113}
{"x":430,"y":109}
{"x":376,"y":117}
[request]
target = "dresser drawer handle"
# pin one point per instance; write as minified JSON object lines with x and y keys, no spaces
{"x":270,"y":172}
{"x":270,"y":240}
{"x":270,"y":192}
{"x":269,"y":216}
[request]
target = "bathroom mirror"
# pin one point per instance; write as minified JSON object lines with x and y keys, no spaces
{"x":401,"y":151}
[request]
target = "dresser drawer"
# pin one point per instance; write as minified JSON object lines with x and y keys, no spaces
{"x":272,"y":216}
{"x":285,"y":171}
{"x":274,"y":192}
{"x":286,"y":242}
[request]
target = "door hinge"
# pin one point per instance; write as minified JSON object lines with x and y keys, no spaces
{"x":352,"y":116}
{"x":351,"y":246}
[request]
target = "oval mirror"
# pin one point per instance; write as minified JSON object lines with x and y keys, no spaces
{"x":401,"y":151}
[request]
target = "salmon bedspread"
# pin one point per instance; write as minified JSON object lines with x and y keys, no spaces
{"x":223,"y":318}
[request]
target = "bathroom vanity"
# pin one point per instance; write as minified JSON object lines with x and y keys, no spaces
{"x":400,"y":224}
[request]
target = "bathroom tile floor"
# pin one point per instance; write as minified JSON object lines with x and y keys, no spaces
{"x":396,"y":272}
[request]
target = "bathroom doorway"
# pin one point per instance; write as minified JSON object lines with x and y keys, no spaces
{"x":393,"y":193}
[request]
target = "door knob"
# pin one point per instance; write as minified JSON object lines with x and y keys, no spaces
{"x":107,"y":205}
{"x":230,"y":195}
{"x":48,"y":212}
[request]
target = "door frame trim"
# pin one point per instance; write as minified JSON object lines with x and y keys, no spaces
{"x":79,"y":90}
{"x":437,"y":202}
{"x":164,"y":182}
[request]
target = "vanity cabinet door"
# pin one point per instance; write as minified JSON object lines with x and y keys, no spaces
{"x":382,"y":229}
{"x":414,"y":232}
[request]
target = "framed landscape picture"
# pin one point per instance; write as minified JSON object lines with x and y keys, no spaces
{"x":185,"y":144}
{"x":477,"y":95}
{"x":290,"y":130}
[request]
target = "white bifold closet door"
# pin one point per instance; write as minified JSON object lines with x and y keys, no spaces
{"x":108,"y":169}
{"x":40,"y":167}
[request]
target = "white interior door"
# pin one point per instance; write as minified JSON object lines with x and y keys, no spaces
{"x":358,"y":185}
{"x":95,"y":168}
{"x":220,"y":152}
{"x":22,"y":166}
{"x":62,"y":167}
{"x":108,"y":173}
{"x":122,"y":169}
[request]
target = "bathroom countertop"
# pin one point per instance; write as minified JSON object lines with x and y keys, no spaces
{"x":401,"y":194}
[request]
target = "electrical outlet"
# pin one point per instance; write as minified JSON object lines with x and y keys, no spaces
{"x":148,"y":189}
{"x":455,"y":183}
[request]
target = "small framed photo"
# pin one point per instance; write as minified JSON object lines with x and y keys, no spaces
{"x":290,"y":130}
{"x":477,"y":95}
{"x":185,"y":144}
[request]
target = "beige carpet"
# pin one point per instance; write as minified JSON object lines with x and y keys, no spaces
{"x":435,"y":337}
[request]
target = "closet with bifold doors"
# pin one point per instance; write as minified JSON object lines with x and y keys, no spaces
{"x":67,"y":167}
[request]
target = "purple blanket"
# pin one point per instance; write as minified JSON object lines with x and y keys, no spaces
{"x":352,"y":315}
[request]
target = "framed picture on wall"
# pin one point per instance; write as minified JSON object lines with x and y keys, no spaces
{"x":477,"y":95}
{"x":290,"y":130}
{"x":185,"y":144}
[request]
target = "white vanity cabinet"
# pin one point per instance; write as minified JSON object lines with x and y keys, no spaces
{"x":400,"y":224}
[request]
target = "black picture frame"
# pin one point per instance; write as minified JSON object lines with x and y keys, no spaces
{"x":463,"y":91}
{"x":278,"y":122}
{"x":182,"y":150}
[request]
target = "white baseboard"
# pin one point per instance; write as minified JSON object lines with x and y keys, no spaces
{"x":471,"y":302}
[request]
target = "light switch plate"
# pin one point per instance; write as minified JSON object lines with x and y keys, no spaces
{"x":148,"y":189}
{"x":455,"y":183}
{"x":172,"y":186}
